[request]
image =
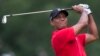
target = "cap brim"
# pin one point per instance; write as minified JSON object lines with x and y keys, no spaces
{"x":65,"y":12}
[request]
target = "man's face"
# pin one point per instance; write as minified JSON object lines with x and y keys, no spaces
{"x":60,"y":21}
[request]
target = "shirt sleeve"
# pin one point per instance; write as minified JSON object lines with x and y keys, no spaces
{"x":82,"y":38}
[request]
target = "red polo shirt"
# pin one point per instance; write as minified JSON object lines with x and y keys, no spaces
{"x":65,"y":43}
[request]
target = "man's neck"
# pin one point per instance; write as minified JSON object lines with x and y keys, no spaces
{"x":60,"y":28}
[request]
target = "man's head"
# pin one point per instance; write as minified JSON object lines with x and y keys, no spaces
{"x":58,"y":18}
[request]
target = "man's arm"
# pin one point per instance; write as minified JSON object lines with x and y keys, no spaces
{"x":83,"y":21}
{"x":93,"y":35}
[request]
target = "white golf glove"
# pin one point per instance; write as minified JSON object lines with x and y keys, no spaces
{"x":86,"y":8}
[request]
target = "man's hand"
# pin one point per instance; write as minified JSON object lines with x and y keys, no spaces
{"x":82,"y":8}
{"x":86,"y":8}
{"x":78,"y":8}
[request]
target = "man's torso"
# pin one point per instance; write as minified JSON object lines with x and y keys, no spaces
{"x":66,"y":43}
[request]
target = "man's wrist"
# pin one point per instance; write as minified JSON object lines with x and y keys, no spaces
{"x":88,"y":11}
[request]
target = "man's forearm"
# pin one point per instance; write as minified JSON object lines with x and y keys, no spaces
{"x":84,"y":18}
{"x":92,"y":26}
{"x":83,"y":21}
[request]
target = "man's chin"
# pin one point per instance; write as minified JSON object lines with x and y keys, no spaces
{"x":62,"y":27}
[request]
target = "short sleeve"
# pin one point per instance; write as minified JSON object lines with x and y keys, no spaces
{"x":82,"y":38}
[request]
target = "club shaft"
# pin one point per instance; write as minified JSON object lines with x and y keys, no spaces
{"x":30,"y":13}
{"x":36,"y":12}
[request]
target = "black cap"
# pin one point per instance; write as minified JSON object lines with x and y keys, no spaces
{"x":55,"y":12}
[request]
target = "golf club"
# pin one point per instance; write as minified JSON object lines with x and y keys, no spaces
{"x":4,"y":19}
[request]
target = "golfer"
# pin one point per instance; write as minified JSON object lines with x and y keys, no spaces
{"x":68,"y":41}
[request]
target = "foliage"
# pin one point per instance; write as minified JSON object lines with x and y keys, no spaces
{"x":30,"y":34}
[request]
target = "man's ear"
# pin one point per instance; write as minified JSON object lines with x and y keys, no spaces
{"x":51,"y":22}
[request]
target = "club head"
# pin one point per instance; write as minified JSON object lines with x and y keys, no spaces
{"x":4,"y":19}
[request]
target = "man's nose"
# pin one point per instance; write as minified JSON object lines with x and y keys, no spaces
{"x":62,"y":19}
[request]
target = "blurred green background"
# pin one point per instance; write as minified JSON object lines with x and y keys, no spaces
{"x":30,"y":35}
